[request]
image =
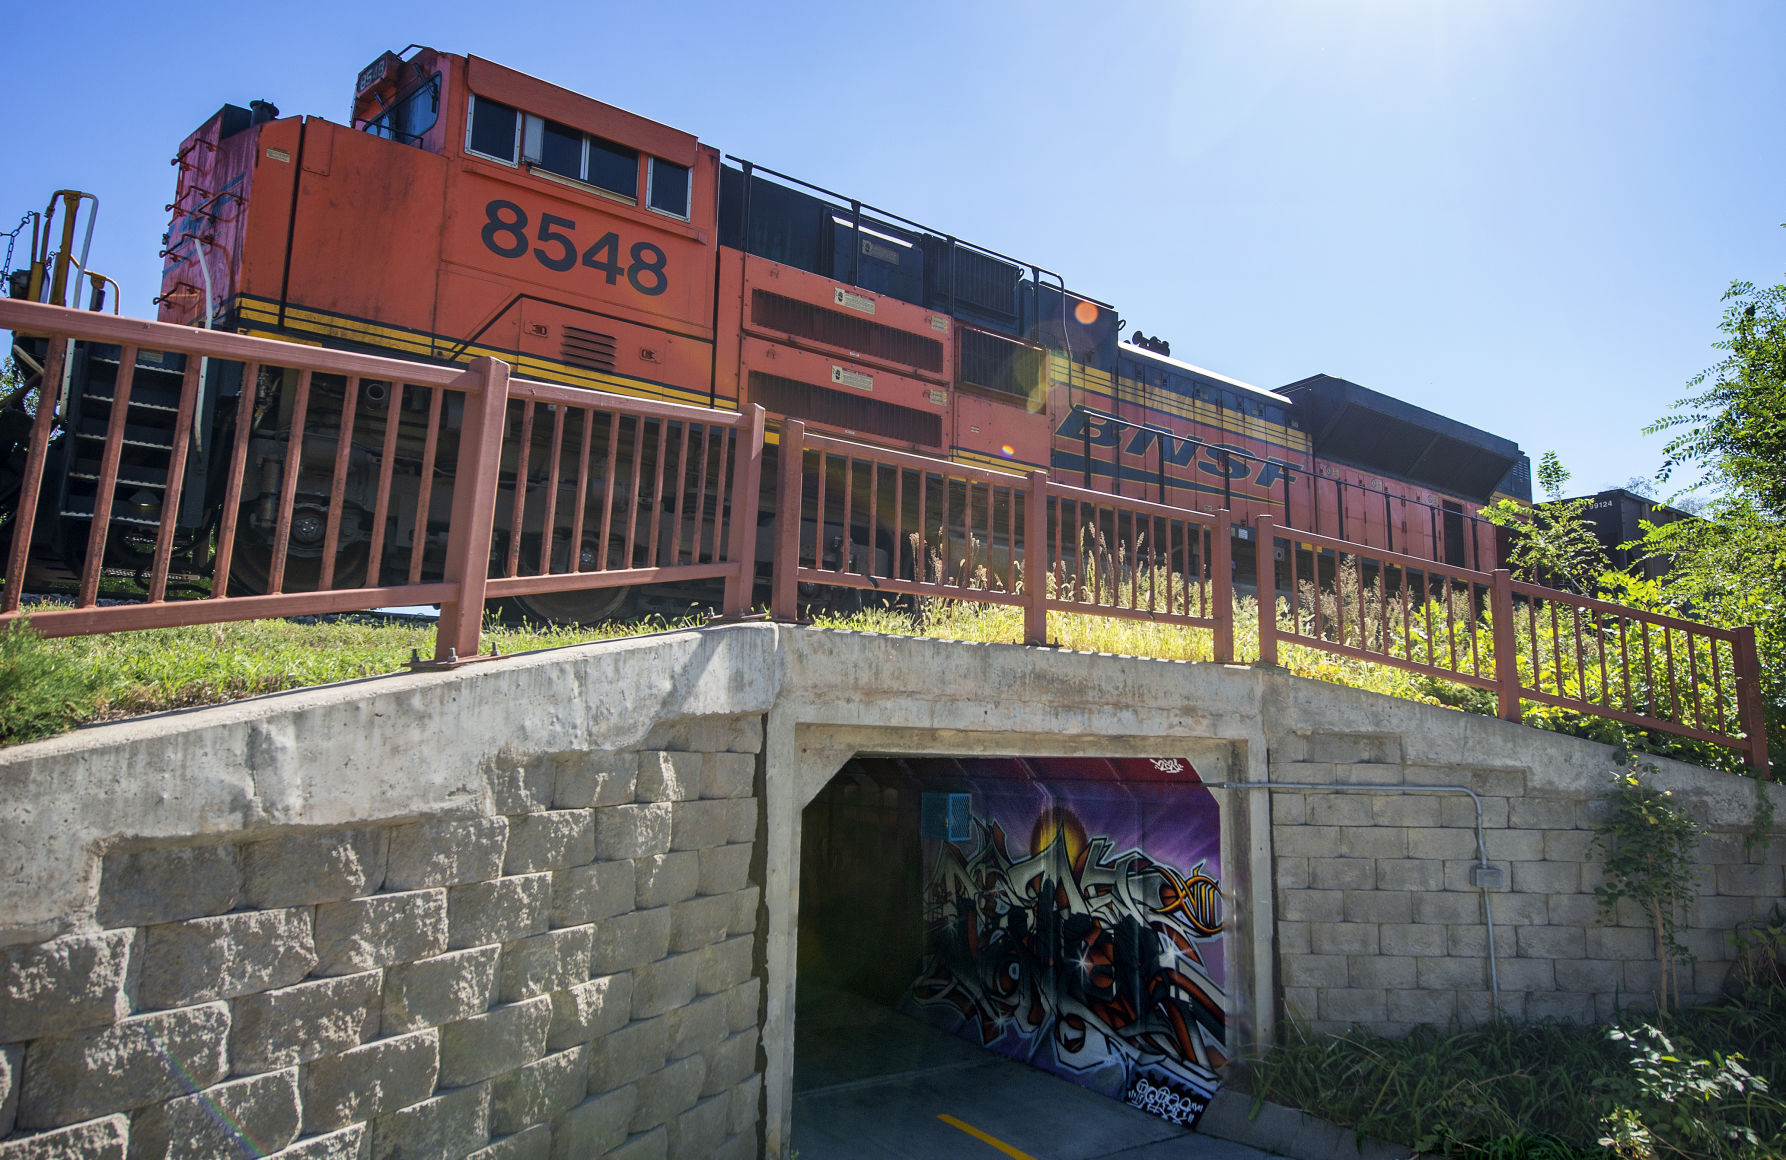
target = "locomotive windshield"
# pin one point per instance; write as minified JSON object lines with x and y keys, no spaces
{"x":411,"y":116}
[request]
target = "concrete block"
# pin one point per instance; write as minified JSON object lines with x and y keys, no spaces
{"x":533,"y":1144}
{"x":1450,"y":907}
{"x":1315,"y":970}
{"x":521,"y":784}
{"x":539,"y":1092}
{"x":1289,"y":809}
{"x":697,"y":1026}
{"x":144,"y":887}
{"x":1749,"y":881}
{"x":1374,"y":842}
{"x":1292,"y":873}
{"x":1311,"y":772}
{"x":745,"y":905}
{"x":1589,"y":975}
{"x":663,"y":985}
{"x":1435,"y":973}
{"x":1442,"y":843}
{"x":697,"y":1133}
{"x":1515,"y":845}
{"x":501,"y":1039}
{"x":729,"y":775}
{"x":347,"y":1144}
{"x":1541,"y":813}
{"x":1516,"y":909}
{"x":1306,"y":841}
{"x":668,"y":1092}
{"x":697,"y":825}
{"x":1355,"y":773}
{"x":498,"y":911}
{"x":589,"y":1011}
{"x":700,"y":921}
{"x":1620,"y":943}
{"x":1552,"y":942}
{"x":364,"y":933}
{"x":1569,"y":846}
{"x":65,"y":984}
{"x":1507,"y":783}
{"x":306,"y":868}
{"x":1546,"y":877}
{"x":440,"y":990}
{"x":1352,"y":1005}
{"x":202,"y":959}
{"x":1293,"y":938}
{"x":214,"y":1122}
{"x":1459,"y":812}
{"x":594,"y":1126}
{"x":292,"y":1025}
{"x":668,"y":776}
{"x":1343,"y":938}
{"x":450,"y":1126}
{"x":1375,"y":906}
{"x":649,"y":1145}
{"x":624,"y":1055}
{"x":549,"y":841}
{"x":1381,"y":971}
{"x":1724,"y":912}
{"x":1410,"y":874}
{"x":1641,"y":978}
{"x":1527,"y":974}
{"x":553,"y":961}
{"x":633,"y":831}
{"x":1310,"y":905}
{"x":584,"y":894}
{"x":1371,"y":748}
{"x":747,"y":1102}
{"x":1478,"y":1006}
{"x":82,"y":1075}
{"x":12,"y":1061}
{"x":1470,"y":940}
{"x":102,"y":1139}
{"x":1339,"y":809}
{"x":725,"y":869}
{"x":595,"y":779}
{"x":630,"y":940}
{"x":1406,"y":809}
{"x":1560,"y":1005}
{"x":743,"y":1004}
{"x":740,"y":734}
{"x":730,"y":1062}
{"x":1342,"y":873}
{"x":445,"y":853}
{"x":1300,"y":1001}
{"x":662,"y":879}
{"x":1411,"y":939}
{"x":724,"y":965}
{"x":1419,"y":1006}
{"x":373,"y":1080}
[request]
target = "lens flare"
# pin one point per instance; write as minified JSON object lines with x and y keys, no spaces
{"x":1009,"y":451}
{"x":1086,"y":313}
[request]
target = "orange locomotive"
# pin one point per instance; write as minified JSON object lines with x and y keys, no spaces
{"x":471,"y":210}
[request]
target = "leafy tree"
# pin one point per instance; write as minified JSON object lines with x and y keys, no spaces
{"x":1551,"y":542}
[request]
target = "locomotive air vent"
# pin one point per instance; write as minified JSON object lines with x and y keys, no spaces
{"x":845,"y":331}
{"x":995,"y":363}
{"x":589,"y":349}
{"x":987,"y":282}
{"x":834,"y":408}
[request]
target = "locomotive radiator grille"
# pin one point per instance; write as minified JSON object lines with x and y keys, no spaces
{"x":995,"y":363}
{"x":589,"y":349}
{"x":799,"y":400}
{"x":845,"y":331}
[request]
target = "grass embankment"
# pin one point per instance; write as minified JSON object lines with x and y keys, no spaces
{"x":1700,"y":1085}
{"x":48,"y":686}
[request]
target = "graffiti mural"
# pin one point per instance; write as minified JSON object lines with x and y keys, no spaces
{"x":1073,"y":920}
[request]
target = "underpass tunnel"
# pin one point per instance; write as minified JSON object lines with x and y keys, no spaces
{"x":1062,"y":912}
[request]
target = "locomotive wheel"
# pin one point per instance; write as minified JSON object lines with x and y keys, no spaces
{"x":588,"y":606}
{"x":251,"y":572}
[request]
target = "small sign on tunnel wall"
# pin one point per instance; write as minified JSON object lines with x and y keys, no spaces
{"x":1076,"y":923}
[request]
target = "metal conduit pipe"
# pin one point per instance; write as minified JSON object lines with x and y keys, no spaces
{"x":1482,"y":863}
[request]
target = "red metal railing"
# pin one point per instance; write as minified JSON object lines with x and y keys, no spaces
{"x":687,"y":471}
{"x":555,"y":490}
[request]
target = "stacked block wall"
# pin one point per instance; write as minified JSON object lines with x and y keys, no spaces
{"x":574,"y":974}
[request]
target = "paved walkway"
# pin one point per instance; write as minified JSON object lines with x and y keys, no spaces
{"x":872,"y":1084}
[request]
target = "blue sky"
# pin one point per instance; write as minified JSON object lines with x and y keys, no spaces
{"x":1520,"y":214}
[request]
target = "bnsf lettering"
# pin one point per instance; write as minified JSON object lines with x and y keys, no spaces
{"x":505,"y":235}
{"x":1101,"y":432}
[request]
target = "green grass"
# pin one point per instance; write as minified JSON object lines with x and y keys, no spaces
{"x":47,"y":686}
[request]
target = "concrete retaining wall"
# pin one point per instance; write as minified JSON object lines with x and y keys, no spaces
{"x":546,"y":906}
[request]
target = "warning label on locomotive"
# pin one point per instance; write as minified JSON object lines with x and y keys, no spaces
{"x":939,"y":322}
{"x":857,"y":379}
{"x":854,"y":301}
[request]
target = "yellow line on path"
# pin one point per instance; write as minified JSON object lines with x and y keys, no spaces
{"x":1013,"y":1153}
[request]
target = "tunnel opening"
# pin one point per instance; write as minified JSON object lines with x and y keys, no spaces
{"x":973,"y":926}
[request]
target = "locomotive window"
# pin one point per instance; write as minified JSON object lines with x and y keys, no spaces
{"x":410,"y":117}
{"x":494,"y":131}
{"x":561,"y":150}
{"x":668,"y":188}
{"x":614,"y":168}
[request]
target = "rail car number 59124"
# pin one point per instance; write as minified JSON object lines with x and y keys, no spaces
{"x":505,"y":235}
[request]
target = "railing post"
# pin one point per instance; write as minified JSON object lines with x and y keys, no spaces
{"x":49,"y":394}
{"x":747,"y":482}
{"x":474,"y":511}
{"x":1506,"y":641}
{"x":790,"y":472}
{"x":1035,"y":561}
{"x":1265,"y":569}
{"x":1221,"y":585}
{"x":1748,"y":691}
